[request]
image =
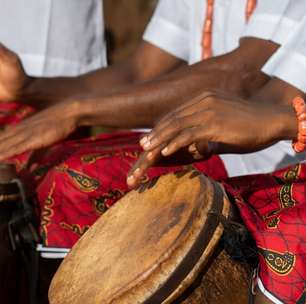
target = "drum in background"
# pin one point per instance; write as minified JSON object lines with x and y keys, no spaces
{"x":152,"y":247}
{"x":9,"y":262}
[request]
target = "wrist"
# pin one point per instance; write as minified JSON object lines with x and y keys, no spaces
{"x":82,"y":111}
{"x":31,"y":89}
{"x":285,"y":124}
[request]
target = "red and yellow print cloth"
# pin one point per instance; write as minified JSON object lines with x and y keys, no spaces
{"x":76,"y":181}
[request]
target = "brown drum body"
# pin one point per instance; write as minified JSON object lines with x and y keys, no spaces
{"x":152,"y":247}
{"x":225,"y":282}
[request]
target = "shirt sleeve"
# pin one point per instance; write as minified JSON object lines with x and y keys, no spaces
{"x":275,"y":20}
{"x":169,"y":28}
{"x":289,"y":62}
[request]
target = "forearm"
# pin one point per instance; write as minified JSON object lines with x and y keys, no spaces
{"x":141,"y":105}
{"x":141,"y":66}
{"x":43,"y":92}
{"x":237,"y":72}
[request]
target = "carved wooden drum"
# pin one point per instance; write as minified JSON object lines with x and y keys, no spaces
{"x":152,"y":247}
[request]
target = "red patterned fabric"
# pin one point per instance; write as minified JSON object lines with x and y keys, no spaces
{"x":75,"y":182}
{"x":273,"y":208}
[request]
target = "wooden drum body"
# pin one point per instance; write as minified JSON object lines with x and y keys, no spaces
{"x":151,"y":247}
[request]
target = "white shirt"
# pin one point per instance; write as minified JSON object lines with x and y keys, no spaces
{"x":275,"y":20}
{"x":289,"y":63}
{"x":176,"y":27}
{"x":54,"y":37}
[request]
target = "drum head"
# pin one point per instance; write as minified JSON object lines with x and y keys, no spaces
{"x":144,"y":247}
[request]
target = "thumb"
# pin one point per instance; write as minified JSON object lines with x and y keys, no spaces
{"x":201,"y":150}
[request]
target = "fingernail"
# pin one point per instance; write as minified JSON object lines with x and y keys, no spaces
{"x":165,"y":151}
{"x":147,"y":144}
{"x":130,"y":179}
{"x":136,"y":172}
{"x":143,"y":140}
{"x":150,"y":156}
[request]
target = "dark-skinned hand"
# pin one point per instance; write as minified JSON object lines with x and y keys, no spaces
{"x":214,"y":124}
{"x":39,"y":131}
{"x":13,"y":78}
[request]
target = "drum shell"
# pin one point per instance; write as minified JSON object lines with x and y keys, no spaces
{"x":173,"y":271}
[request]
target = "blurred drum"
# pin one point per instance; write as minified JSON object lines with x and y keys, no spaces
{"x":156,"y":245}
{"x":9,"y":262}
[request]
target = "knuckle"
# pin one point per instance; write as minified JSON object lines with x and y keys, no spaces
{"x":210,"y":101}
{"x":211,"y":116}
{"x":176,"y":122}
{"x":189,"y":135}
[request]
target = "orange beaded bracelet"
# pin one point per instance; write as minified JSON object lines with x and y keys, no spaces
{"x":300,"y":109}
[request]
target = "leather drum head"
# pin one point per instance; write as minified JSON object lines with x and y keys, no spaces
{"x":145,"y":246}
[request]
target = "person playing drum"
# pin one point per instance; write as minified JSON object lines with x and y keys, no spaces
{"x":76,"y":181}
{"x":75,"y":164}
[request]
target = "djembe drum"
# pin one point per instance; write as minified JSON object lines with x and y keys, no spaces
{"x":153,"y":246}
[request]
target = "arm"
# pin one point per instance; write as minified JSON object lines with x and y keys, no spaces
{"x":220,"y":124}
{"x":277,"y":91}
{"x":42,"y":92}
{"x":237,"y":72}
{"x":141,"y":105}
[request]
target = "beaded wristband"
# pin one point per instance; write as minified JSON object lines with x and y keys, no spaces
{"x":300,"y":109}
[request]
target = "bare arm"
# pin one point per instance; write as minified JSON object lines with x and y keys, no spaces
{"x":219,"y":124}
{"x":141,"y":105}
{"x":147,"y":62}
{"x":237,"y":72}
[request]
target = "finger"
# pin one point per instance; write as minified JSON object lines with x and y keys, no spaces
{"x":184,"y":139}
{"x":194,"y":151}
{"x":17,"y":149}
{"x":12,"y":145}
{"x":13,"y":140}
{"x":164,"y":122}
{"x":185,"y":109}
{"x":9,"y":131}
{"x":161,"y":134}
{"x":145,"y":161}
{"x":13,"y":130}
{"x":174,"y":127}
{"x":200,"y":150}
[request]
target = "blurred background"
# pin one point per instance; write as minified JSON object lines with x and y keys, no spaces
{"x":125,"y":22}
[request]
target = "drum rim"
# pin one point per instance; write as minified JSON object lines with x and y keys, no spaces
{"x":207,"y":255}
{"x":195,"y":253}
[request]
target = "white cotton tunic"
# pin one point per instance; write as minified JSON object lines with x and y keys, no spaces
{"x":176,"y":27}
{"x":54,"y":37}
{"x":289,"y":63}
